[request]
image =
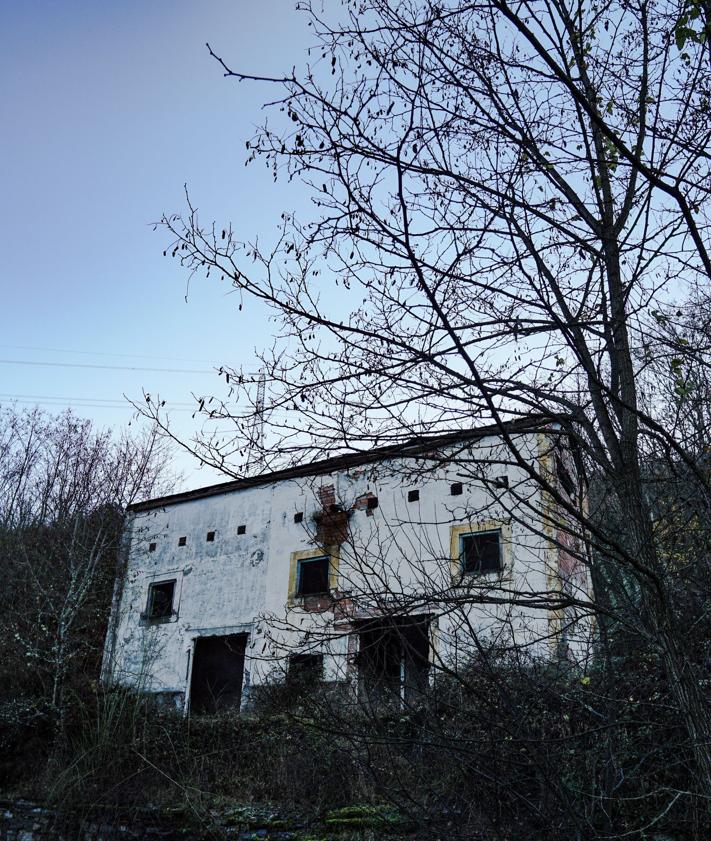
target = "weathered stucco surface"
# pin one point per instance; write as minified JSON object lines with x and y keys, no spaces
{"x":240,"y":583}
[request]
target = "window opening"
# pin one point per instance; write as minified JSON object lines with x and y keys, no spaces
{"x":305,"y":670}
{"x":152,"y":547}
{"x":312,"y":576}
{"x":160,"y":600}
{"x":456,"y":489}
{"x":182,"y":541}
{"x":299,"y":516}
{"x":480,"y":553}
{"x":371,"y":503}
{"x":210,"y":537}
{"x":564,"y":477}
{"x":241,"y":529}
{"x":413,"y":496}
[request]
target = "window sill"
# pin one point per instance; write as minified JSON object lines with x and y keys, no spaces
{"x":158,"y":620}
{"x":472,"y":573}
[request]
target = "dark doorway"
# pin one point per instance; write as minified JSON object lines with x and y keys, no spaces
{"x":218,"y":669}
{"x":393,"y":661}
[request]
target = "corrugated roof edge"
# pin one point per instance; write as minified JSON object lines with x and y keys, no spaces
{"x":411,"y":447}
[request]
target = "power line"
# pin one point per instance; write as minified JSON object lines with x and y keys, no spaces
{"x":129,"y":368}
{"x":104,"y":353}
{"x":94,"y":400}
{"x":107,"y":367}
{"x":87,"y":404}
{"x":69,"y":403}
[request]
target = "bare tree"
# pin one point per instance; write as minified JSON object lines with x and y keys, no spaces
{"x":63,"y":489}
{"x":511,"y":216}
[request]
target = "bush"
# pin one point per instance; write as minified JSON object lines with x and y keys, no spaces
{"x":504,"y":749}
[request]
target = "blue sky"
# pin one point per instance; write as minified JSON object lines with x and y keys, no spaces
{"x":107,"y":110}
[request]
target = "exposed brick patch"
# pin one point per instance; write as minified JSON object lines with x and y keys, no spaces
{"x":343,"y":608}
{"x":326,"y":496}
{"x":368,"y":502}
{"x":332,"y":520}
{"x":317,"y":603}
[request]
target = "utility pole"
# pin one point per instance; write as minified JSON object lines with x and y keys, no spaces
{"x":255,"y":455}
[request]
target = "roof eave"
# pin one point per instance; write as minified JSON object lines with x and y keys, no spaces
{"x":410,"y":449}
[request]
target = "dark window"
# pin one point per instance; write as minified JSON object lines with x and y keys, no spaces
{"x":372,"y":503}
{"x":413,"y":496}
{"x":182,"y":541}
{"x":152,"y":547}
{"x":313,"y":576}
{"x":456,"y":488}
{"x":501,"y":481}
{"x":481,"y":552}
{"x":564,"y":477}
{"x":160,"y":600}
{"x":299,"y":516}
{"x":210,"y":537}
{"x":241,"y":529}
{"x":305,"y":669}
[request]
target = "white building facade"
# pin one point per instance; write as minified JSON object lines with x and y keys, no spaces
{"x":370,"y":570}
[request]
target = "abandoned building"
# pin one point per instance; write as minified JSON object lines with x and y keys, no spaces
{"x":367,"y":569}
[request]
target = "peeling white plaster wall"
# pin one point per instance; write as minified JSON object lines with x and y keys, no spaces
{"x":240,"y":583}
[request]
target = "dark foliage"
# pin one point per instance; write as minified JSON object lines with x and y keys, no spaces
{"x":505,"y":750}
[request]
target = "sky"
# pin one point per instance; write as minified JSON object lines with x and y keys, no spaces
{"x":107,"y":111}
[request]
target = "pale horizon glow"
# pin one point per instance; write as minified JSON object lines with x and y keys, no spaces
{"x":109,"y":110}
